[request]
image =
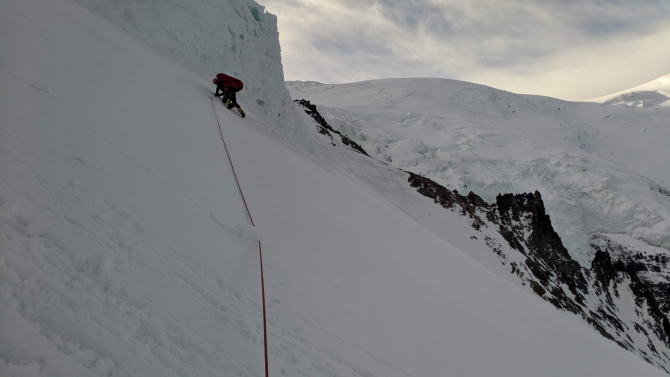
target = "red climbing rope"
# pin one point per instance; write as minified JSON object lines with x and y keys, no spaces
{"x":231,"y":163}
{"x":265,"y":329}
{"x":260,"y":251}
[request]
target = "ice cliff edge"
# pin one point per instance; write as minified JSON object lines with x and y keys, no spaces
{"x":237,"y":37}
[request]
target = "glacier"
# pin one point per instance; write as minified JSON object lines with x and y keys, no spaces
{"x":600,"y":168}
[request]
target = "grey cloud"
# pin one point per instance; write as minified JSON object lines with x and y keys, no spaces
{"x":347,"y":40}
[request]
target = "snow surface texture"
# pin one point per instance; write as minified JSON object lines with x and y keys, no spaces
{"x":126,"y":249}
{"x":236,"y":37}
{"x":600,"y":169}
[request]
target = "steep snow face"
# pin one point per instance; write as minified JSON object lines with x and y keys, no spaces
{"x":236,"y":37}
{"x":599,"y":168}
{"x":126,"y":249}
{"x":121,"y":228}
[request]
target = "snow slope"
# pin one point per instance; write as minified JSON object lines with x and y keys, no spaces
{"x":600,"y":169}
{"x":126,"y":250}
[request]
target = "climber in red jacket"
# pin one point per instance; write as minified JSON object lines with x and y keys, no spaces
{"x":228,"y":86}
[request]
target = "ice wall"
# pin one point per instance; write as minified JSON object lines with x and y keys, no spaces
{"x":236,"y":37}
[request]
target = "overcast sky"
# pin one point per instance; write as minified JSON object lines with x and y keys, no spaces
{"x":571,"y":49}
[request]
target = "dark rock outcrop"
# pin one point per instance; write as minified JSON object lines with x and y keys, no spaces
{"x":325,"y":129}
{"x":538,"y":258}
{"x":552,"y":274}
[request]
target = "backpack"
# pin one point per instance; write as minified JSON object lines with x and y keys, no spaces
{"x":230,"y":82}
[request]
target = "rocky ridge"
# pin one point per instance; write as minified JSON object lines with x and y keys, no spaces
{"x":620,"y":278}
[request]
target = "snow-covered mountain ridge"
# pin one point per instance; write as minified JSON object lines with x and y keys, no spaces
{"x":517,"y":229}
{"x":653,"y":93}
{"x":601,"y":169}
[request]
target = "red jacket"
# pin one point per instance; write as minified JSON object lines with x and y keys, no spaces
{"x":225,"y":82}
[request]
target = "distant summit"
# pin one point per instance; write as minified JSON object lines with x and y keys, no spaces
{"x":653,"y":93}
